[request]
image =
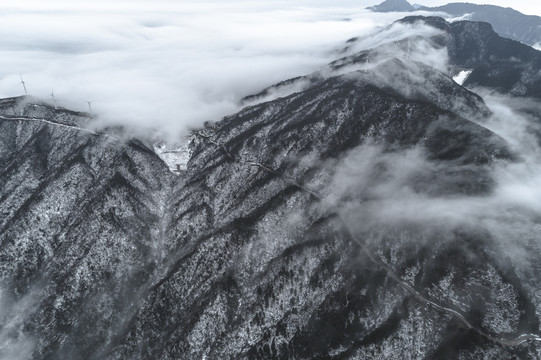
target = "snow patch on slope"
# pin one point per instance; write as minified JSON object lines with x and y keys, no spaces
{"x":462,"y":76}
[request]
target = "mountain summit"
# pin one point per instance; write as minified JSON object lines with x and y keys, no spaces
{"x":393,"y":5}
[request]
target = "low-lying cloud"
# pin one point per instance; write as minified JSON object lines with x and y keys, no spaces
{"x":168,"y":65}
{"x":378,"y":191}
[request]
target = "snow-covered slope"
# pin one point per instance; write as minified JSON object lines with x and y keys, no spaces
{"x":321,"y":224}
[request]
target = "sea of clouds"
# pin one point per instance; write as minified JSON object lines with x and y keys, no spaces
{"x":169,"y":65}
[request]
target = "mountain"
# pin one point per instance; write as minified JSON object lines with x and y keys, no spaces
{"x":393,"y":5}
{"x":494,"y":62}
{"x":507,"y":22}
{"x":318,"y":222}
{"x":499,"y":63}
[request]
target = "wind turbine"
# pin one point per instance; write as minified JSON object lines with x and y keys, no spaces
{"x":24,"y":84}
{"x":54,"y":99}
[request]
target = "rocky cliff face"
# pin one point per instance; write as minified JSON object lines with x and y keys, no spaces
{"x":315,"y":225}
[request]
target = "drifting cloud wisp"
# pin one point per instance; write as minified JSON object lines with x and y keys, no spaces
{"x":378,"y":190}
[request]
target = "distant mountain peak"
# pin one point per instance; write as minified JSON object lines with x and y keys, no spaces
{"x":393,"y":5}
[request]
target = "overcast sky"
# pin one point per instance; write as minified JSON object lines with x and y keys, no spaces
{"x":530,"y":7}
{"x":170,"y":64}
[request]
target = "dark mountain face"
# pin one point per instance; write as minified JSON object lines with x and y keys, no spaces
{"x":347,"y":220}
{"x":507,"y":22}
{"x":498,"y":63}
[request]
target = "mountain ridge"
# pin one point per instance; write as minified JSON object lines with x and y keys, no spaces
{"x":393,"y":5}
{"x":507,"y":22}
{"x":283,"y":238}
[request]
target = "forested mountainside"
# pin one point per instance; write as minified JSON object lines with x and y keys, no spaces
{"x":355,"y":217}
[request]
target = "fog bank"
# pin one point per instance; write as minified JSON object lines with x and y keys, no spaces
{"x":168,"y":65}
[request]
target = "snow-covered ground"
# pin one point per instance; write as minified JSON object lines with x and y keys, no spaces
{"x":176,"y":157}
{"x":462,"y":76}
